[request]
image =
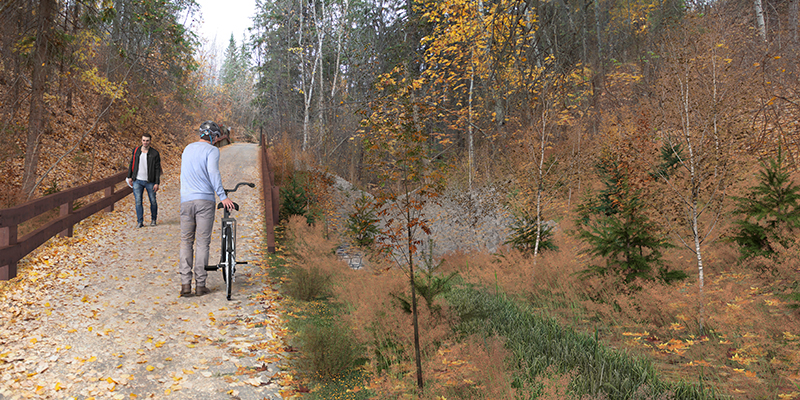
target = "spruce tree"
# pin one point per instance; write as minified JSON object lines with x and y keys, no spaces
{"x":231,"y":68}
{"x":770,"y":212}
{"x":617,"y":229}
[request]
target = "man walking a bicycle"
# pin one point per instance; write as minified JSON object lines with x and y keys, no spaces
{"x":200,"y":182}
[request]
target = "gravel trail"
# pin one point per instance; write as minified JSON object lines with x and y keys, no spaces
{"x":98,"y":315}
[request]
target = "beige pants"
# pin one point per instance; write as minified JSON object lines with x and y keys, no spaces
{"x":197,"y":220}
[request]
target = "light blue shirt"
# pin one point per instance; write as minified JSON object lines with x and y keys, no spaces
{"x":200,"y":178}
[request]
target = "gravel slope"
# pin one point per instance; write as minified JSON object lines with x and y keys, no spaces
{"x":459,"y":222}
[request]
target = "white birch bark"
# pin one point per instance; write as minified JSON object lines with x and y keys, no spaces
{"x":306,"y":97}
{"x":319,"y":23}
{"x":762,"y":28}
{"x":694,"y":193}
{"x":340,"y":33}
{"x":307,"y":82}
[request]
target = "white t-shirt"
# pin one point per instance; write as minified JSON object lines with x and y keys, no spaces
{"x":141,"y":175}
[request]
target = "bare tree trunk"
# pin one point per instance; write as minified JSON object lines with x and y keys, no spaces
{"x":306,"y":97}
{"x":36,"y":118}
{"x":762,"y":28}
{"x":793,"y":11}
{"x":307,"y":87}
{"x":694,"y":194}
{"x":540,"y":184}
{"x":407,"y":209}
{"x":597,"y":32}
{"x":470,"y":139}
{"x":415,"y":314}
{"x":319,"y":23}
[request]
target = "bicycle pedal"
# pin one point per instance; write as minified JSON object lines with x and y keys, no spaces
{"x":211,"y":267}
{"x":241,"y":262}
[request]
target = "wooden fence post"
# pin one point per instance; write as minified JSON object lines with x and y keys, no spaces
{"x":269,"y":206}
{"x":108,"y":193}
{"x":8,"y":237}
{"x":276,"y":203}
{"x":65,"y":210}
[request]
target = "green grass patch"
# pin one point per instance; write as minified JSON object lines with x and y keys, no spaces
{"x":540,"y":344}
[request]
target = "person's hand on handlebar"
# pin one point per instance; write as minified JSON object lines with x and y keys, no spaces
{"x":228,"y":204}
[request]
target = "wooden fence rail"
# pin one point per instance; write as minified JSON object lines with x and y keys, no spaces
{"x":13,"y":249}
{"x":271,"y":195}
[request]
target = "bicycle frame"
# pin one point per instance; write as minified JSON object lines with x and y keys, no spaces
{"x":227,"y":255}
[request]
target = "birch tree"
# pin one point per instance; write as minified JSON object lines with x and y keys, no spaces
{"x":698,"y":126}
{"x":310,"y":54}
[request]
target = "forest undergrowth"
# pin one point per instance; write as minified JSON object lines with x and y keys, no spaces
{"x":629,"y":344}
{"x":747,"y":349}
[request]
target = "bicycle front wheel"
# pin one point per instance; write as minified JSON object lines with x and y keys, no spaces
{"x":230,"y":261}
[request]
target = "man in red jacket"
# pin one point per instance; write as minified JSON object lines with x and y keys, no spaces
{"x":145,"y":173}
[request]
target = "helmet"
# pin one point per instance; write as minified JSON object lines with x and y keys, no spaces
{"x":209,"y":130}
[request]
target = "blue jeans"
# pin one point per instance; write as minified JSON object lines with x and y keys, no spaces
{"x":138,"y":190}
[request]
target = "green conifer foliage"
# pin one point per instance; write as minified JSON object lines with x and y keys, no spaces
{"x":617,"y":229}
{"x":523,"y":235}
{"x":770,"y":212}
{"x":294,"y":199}
{"x":362,"y":224}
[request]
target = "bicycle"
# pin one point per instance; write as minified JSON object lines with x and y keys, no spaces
{"x":227,"y":259}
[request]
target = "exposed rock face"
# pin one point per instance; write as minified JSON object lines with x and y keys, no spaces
{"x":458,"y":221}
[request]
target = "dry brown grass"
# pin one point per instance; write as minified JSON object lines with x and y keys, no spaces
{"x":749,"y":347}
{"x":465,"y":369}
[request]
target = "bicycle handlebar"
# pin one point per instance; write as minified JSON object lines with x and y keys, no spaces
{"x":235,"y":206}
{"x":252,"y":185}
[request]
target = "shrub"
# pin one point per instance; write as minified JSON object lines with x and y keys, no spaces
{"x":308,"y":283}
{"x":53,"y":188}
{"x":294,"y":199}
{"x":313,"y":265}
{"x":770,"y":212}
{"x":329,"y":349}
{"x":362,"y":225}
{"x":523,"y":236}
{"x":429,"y":287}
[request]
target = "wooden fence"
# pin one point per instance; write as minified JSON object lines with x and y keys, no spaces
{"x":271,"y":195}
{"x":13,"y":249}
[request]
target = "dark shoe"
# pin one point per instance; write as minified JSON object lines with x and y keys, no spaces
{"x":141,"y":225}
{"x":186,"y":290}
{"x":201,"y":290}
{"x":153,"y":223}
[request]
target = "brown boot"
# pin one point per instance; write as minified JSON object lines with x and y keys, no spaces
{"x":201,"y":290}
{"x":186,"y":290}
